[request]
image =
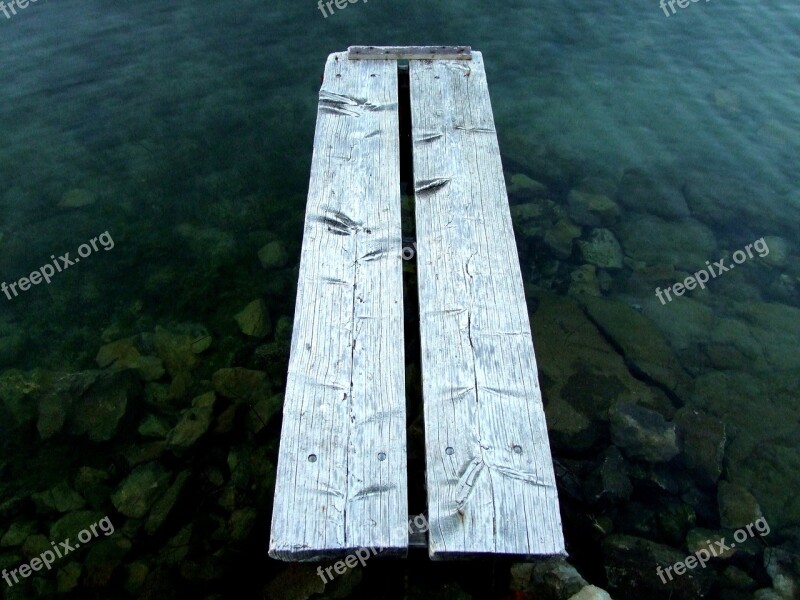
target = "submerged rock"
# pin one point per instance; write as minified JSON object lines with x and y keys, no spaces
{"x":594,"y":210}
{"x":641,"y":343}
{"x":273,"y":255}
{"x":602,"y":249}
{"x":556,"y":578}
{"x":265,"y":406}
{"x":162,"y":508}
{"x":18,"y":391}
{"x":584,"y":281}
{"x":774,"y":329}
{"x":179,"y":345}
{"x":176,"y":548}
{"x":778,"y":251}
{"x":569,"y":429}
{"x":610,"y":482}
{"x":241,"y":523}
{"x":53,"y":409}
{"x":210,"y":244}
{"x":685,"y":244}
{"x":530,"y":218}
{"x":123,"y":354}
{"x":523,"y":186}
{"x":783,"y":566}
{"x":579,"y":366}
{"x":559,"y":238}
{"x":238,"y":383}
{"x":297,"y":581}
{"x":591,"y":592}
{"x":92,"y":484}
{"x":699,"y":538}
{"x":11,"y":346}
{"x":254,"y":319}
{"x":137,"y":492}
{"x":527,"y":211}
{"x":193,"y":424}
{"x":703,"y":439}
{"x":68,"y":577}
{"x":135,"y":577}
{"x":763,"y":460}
{"x":104,"y":558}
{"x":631,"y":563}
{"x":737,"y":506}
{"x":154,"y":427}
{"x":71,"y":524}
{"x":730,"y":199}
{"x":642,"y":193}
{"x":77,"y":198}
{"x":98,"y":413}
{"x":643,"y":434}
{"x":60,"y":498}
{"x":17,"y":534}
{"x":136,"y":455}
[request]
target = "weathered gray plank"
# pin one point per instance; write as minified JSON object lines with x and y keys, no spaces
{"x":345,"y":393}
{"x":409,"y":52}
{"x":491,"y":486}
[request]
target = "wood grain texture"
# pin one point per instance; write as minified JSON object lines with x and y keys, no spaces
{"x":409,"y":52}
{"x":491,"y":486}
{"x":345,"y":395}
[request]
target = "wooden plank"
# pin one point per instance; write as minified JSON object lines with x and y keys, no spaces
{"x":491,"y":486}
{"x":341,"y":480}
{"x":409,"y":52}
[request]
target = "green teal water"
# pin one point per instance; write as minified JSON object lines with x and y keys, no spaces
{"x":637,"y":147}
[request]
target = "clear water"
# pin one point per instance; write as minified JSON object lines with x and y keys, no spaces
{"x":185,"y":132}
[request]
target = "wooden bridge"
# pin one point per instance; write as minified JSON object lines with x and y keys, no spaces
{"x":342,"y":479}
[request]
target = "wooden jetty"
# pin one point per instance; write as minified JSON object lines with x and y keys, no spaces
{"x":342,"y":480}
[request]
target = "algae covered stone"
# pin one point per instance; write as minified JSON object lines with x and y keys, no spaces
{"x":643,"y":434}
{"x":71,"y":524}
{"x":60,"y":498}
{"x":164,"y":505}
{"x":584,"y":281}
{"x":595,"y":210}
{"x":559,"y":237}
{"x":98,"y":413}
{"x":154,"y":427}
{"x":602,"y":249}
{"x":179,"y":345}
{"x":194,"y":422}
{"x":639,"y":340}
{"x":273,"y":255}
{"x":238,"y":383}
{"x":254,"y":319}
{"x":639,"y":191}
{"x":523,"y":186}
{"x":77,"y":198}
{"x":68,"y":577}
{"x":737,"y":506}
{"x":137,"y":493}
{"x":123,"y":354}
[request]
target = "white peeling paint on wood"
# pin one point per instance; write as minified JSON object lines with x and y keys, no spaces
{"x":491,"y":486}
{"x":409,"y":52}
{"x":345,"y":395}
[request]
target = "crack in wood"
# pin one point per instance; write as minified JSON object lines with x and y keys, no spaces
{"x":428,"y":186}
